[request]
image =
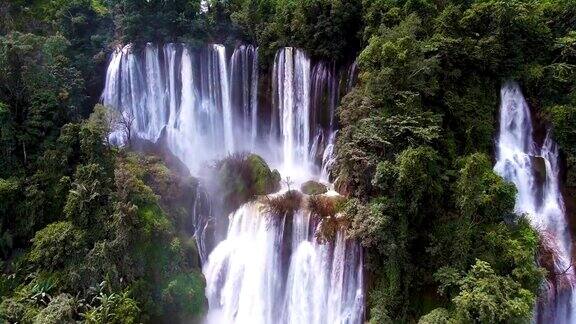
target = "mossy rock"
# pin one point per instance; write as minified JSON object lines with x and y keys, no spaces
{"x":243,"y":177}
{"x":265,"y":180}
{"x":313,"y":188}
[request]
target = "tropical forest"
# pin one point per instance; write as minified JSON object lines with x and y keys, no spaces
{"x":288,"y":161}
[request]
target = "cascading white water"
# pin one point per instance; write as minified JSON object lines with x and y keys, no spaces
{"x":246,"y":281}
{"x":171,"y":57}
{"x":225,"y":93}
{"x":520,"y":161}
{"x":326,"y":93}
{"x":182,"y":131}
{"x":183,"y":92}
{"x":292,"y":103}
{"x":154,"y":93}
{"x":201,"y":107}
{"x":244,"y":92}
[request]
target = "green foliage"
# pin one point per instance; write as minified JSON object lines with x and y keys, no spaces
{"x":324,"y":28}
{"x":61,"y":309}
{"x":363,"y":144}
{"x":40,"y":91}
{"x":111,"y":226}
{"x":116,"y":308}
{"x":86,"y":205}
{"x":481,"y":195}
{"x":14,"y":311}
{"x":563,"y":119}
{"x":437,"y":316}
{"x":419,"y":179}
{"x":57,"y":244}
{"x":398,"y":69}
{"x":414,"y":144}
{"x":489,"y":298}
{"x":485,"y":297}
{"x":184,"y":294}
{"x":141,"y":21}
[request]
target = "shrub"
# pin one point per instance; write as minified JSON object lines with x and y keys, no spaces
{"x":184,"y":294}
{"x":325,"y":206}
{"x":113,"y":308}
{"x":326,"y":209}
{"x":61,"y":309}
{"x":285,"y":204}
{"x":57,"y":244}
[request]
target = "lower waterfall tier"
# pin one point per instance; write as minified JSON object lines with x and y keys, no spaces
{"x":272,"y":269}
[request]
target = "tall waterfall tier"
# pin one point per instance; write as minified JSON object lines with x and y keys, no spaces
{"x":204,"y":103}
{"x":272,"y":270}
{"x":534,"y":170}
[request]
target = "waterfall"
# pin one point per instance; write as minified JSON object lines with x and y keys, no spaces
{"x":246,"y":282}
{"x":154,"y":93}
{"x":328,"y":86}
{"x":521,"y":161}
{"x":244,"y":92}
{"x":201,"y":105}
{"x":225,"y":93}
{"x":184,"y":92}
{"x":291,"y":74}
{"x":202,"y":101}
{"x":182,"y":131}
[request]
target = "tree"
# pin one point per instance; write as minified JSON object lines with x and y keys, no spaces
{"x":126,"y":123}
{"x":489,"y":298}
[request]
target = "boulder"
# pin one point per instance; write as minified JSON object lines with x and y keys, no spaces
{"x":265,"y":180}
{"x":313,"y":188}
{"x":242,"y":177}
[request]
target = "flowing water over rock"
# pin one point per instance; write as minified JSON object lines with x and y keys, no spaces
{"x":271,"y":269}
{"x":204,"y":104}
{"x":535,"y":171}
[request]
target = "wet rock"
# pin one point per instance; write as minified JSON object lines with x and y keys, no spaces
{"x":539,"y":165}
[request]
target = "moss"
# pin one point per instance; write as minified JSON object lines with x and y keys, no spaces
{"x":313,"y":188}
